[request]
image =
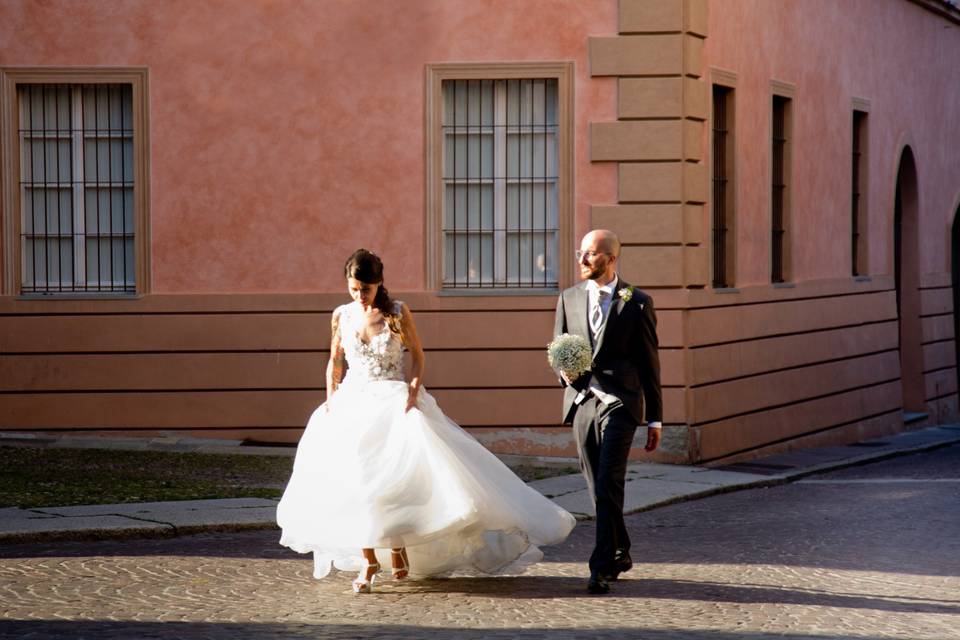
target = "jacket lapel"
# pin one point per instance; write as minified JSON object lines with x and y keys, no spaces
{"x":581,"y":301}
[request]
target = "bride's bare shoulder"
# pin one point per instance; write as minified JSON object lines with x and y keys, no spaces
{"x":340,"y":316}
{"x":342,"y":310}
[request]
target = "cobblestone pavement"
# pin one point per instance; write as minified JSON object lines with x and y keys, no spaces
{"x":869,"y":552}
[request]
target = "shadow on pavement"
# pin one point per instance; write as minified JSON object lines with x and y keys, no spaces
{"x":765,"y":594}
{"x":97,"y":629}
{"x":552,"y":587}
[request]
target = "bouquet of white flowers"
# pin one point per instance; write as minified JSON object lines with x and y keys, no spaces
{"x":571,"y":354}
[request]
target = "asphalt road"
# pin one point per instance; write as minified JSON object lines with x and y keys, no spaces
{"x":867,"y":552}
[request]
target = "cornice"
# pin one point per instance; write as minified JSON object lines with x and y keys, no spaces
{"x":943,"y":8}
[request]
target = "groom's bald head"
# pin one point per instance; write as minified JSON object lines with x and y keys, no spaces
{"x":598,"y":255}
{"x":604,"y":240}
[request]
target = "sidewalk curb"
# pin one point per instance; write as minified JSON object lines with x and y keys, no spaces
{"x":792,"y":476}
{"x":162,"y":529}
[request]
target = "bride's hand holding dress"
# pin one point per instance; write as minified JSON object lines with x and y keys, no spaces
{"x":411,"y":340}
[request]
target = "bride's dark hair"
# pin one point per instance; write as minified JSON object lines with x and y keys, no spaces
{"x":367,"y":267}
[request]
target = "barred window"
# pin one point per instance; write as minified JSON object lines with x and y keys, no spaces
{"x":780,"y":175}
{"x":76,"y":188}
{"x":500,"y":201}
{"x":858,"y":238}
{"x":722,"y":201}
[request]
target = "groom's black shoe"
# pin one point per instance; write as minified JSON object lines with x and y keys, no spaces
{"x":621,"y":564}
{"x":598,"y":584}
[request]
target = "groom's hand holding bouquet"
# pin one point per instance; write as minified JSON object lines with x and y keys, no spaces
{"x":571,"y":356}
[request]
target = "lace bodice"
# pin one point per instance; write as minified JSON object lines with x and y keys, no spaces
{"x":379,"y":359}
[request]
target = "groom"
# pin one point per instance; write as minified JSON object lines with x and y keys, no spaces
{"x":606,"y":403}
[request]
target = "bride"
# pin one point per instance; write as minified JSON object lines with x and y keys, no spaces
{"x":381,"y":472}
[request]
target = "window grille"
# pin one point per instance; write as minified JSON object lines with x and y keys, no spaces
{"x":856,"y":213}
{"x":76,"y":188}
{"x":500,"y":199}
{"x":721,"y":161}
{"x":778,"y":226}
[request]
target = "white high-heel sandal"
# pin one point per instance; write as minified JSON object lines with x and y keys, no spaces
{"x":403,"y":571}
{"x":364,"y":580}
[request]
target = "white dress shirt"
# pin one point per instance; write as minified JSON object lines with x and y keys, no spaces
{"x":593,"y":298}
{"x":593,"y":292}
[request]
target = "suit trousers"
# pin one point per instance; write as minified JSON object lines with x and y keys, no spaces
{"x":605,"y":435}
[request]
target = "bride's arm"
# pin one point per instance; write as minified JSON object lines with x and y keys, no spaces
{"x":412,"y":341}
{"x":337,"y":359}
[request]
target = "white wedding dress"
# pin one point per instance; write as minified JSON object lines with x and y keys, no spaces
{"x":368,"y":474}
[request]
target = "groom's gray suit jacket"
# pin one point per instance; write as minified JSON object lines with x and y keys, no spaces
{"x":625,"y":359}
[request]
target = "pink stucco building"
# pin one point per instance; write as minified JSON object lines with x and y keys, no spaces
{"x":182,"y":180}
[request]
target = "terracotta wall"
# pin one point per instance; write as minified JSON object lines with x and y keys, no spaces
{"x":288,"y":133}
{"x":248,"y":366}
{"x":285,"y":134}
{"x":820,"y":360}
{"x":895,"y":54}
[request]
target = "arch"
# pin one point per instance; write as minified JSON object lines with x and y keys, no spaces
{"x":906,"y":261}
{"x":955,"y":279}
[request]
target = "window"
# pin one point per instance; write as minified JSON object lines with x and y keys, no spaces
{"x":858,"y":223}
{"x":723,"y":191}
{"x":500,"y":207}
{"x":77,"y":185}
{"x":780,"y":174}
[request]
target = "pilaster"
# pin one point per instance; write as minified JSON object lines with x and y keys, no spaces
{"x":657,"y":140}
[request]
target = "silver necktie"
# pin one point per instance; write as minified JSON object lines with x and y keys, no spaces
{"x":596,"y":318}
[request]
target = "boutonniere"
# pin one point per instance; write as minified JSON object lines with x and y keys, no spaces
{"x":625,"y":293}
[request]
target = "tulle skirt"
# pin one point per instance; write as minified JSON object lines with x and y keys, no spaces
{"x":368,"y":474}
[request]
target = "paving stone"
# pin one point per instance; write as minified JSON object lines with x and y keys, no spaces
{"x":213,"y":518}
{"x":643,"y":492}
{"x":559,"y":485}
{"x":27,"y":525}
{"x":578,"y":503}
{"x":139,"y":508}
{"x":695,"y":475}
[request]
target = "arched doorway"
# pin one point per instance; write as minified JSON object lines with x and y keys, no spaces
{"x":906,"y":263}
{"x":955,"y":281}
